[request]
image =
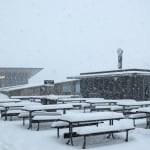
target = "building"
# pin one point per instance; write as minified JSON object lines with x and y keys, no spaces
{"x":16,"y":76}
{"x":116,"y":84}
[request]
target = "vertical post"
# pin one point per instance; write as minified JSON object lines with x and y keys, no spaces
{"x":120,"y":52}
{"x":84,"y":142}
{"x":30,"y":120}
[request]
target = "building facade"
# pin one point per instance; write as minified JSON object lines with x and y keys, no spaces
{"x":16,"y":76}
{"x":116,"y":84}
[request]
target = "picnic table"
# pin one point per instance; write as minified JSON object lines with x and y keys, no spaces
{"x":145,"y":110}
{"x":100,"y":101}
{"x":79,"y":118}
{"x":13,"y":105}
{"x":54,"y":107}
{"x":129,"y":105}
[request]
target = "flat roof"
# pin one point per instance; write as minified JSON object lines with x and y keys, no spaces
{"x":30,"y":71}
{"x":121,"y":72}
{"x":25,"y":86}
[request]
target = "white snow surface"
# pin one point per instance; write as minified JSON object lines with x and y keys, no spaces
{"x":91,"y":116}
{"x":14,"y":136}
{"x":45,"y":107}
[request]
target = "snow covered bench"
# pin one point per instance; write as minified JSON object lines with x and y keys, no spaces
{"x":11,"y":113}
{"x":61,"y":125}
{"x":104,"y":129}
{"x":137,"y":116}
{"x":25,"y":115}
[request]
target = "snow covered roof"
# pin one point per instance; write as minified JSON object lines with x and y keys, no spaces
{"x":52,"y":97}
{"x":12,"y":88}
{"x":122,"y":72}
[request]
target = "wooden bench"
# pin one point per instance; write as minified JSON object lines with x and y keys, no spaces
{"x":106,"y":129}
{"x":61,"y":125}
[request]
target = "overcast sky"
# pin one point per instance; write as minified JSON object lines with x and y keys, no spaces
{"x":67,"y":37}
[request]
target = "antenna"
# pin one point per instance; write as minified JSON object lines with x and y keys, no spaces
{"x":119,"y":52}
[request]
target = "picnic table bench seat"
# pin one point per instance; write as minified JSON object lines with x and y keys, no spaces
{"x":11,"y":113}
{"x":137,"y":116}
{"x":61,"y":125}
{"x":24,"y":115}
{"x":102,"y":129}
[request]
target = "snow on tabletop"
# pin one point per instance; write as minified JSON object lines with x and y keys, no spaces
{"x":137,"y":115}
{"x":14,"y":111}
{"x":112,"y":107}
{"x":129,"y":103}
{"x":116,"y":108}
{"x":45,"y":117}
{"x":143,"y":109}
{"x":42,"y":107}
{"x":72,"y":99}
{"x":18,"y":104}
{"x":119,"y":125}
{"x":144,"y":102}
{"x":91,"y":116}
{"x":9,"y":100}
{"x":101,"y":100}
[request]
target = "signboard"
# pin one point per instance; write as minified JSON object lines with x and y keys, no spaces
{"x":48,"y":81}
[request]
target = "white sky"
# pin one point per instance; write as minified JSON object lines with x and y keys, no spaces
{"x":67,"y":37}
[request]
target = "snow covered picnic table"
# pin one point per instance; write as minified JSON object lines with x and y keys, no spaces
{"x":54,"y":107}
{"x":19,"y":105}
{"x":145,"y":110}
{"x":129,"y":105}
{"x":79,"y":118}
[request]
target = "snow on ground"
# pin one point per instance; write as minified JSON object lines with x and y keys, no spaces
{"x":13,"y":136}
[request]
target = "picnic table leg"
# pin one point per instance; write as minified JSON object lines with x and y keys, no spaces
{"x":111,"y":134}
{"x":84,"y":143}
{"x":90,"y":107}
{"x":70,"y":135}
{"x":64,"y":111}
{"x":5,"y":112}
{"x":57,"y":132}
{"x":30,"y":120}
{"x":126,"y":136}
{"x":124,"y":110}
{"x":23,"y":121}
{"x":147,"y":122}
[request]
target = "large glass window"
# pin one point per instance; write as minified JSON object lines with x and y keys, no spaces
{"x":77,"y":88}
